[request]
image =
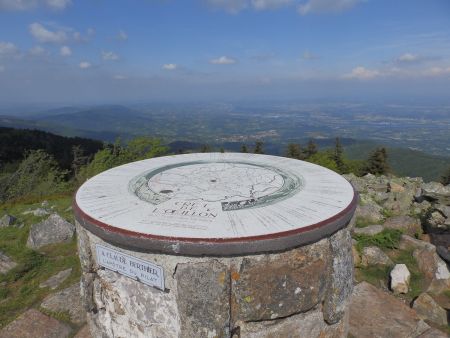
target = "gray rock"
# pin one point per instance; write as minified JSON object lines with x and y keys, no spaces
{"x":6,"y":263}
{"x":408,"y":242}
{"x":373,"y":255}
{"x":444,"y":209}
{"x":84,"y":249}
{"x":7,"y":220}
{"x":53,"y":230}
{"x":374,"y":313}
{"x":200,"y":318}
{"x":341,"y":280}
{"x":433,"y":333}
{"x":407,"y":224}
{"x":369,"y":230}
{"x":370,"y":213}
{"x":56,"y":280}
{"x":438,"y":218}
{"x":33,"y":324}
{"x":304,"y":325}
{"x":428,"y":309}
{"x":400,"y":277}
{"x":67,"y":300}
{"x":436,"y":192}
{"x":399,"y":203}
{"x":128,"y":308}
{"x":84,"y":333}
{"x":434,"y":270}
{"x":279,"y":285}
{"x":37,"y":212}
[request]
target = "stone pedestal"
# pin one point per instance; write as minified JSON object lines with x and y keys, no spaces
{"x":290,"y":280}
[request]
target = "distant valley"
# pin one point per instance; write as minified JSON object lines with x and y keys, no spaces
{"x":417,"y":137}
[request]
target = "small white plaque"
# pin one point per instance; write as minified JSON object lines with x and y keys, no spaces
{"x":135,"y":268}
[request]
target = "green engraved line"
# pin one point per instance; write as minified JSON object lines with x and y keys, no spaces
{"x":291,"y":184}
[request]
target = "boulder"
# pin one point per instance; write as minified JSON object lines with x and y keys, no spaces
{"x":6,"y":263}
{"x":438,"y":218}
{"x":375,"y":313}
{"x":7,"y":220}
{"x":33,"y":324}
{"x":36,"y":212}
{"x":369,"y":212}
{"x":56,"y":280}
{"x":433,"y":333}
{"x":444,"y":253}
{"x":395,"y":187}
{"x":400,"y":277}
{"x":67,"y":300}
{"x":369,"y":230}
{"x":373,"y":255}
{"x":436,"y":192}
{"x":407,"y":224}
{"x":55,"y":229}
{"x":420,"y":208}
{"x":428,"y":309}
{"x":432,"y":267}
{"x":356,"y":257}
{"x":84,"y":333}
{"x":408,"y":242}
{"x":399,"y":203}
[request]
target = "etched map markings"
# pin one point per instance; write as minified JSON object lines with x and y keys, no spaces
{"x":236,"y":185}
{"x":196,"y":197}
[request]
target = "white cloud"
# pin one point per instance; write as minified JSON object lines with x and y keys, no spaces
{"x":307,"y":55}
{"x":235,"y":6}
{"x":437,"y":71}
{"x":44,"y":35}
{"x":77,"y":36}
{"x":58,"y":4}
{"x":231,"y":6}
{"x":407,"y":57}
{"x":223,"y":60}
{"x":270,"y":4}
{"x":8,"y":49}
{"x":23,"y":5}
{"x":65,"y":51}
{"x":38,"y":51}
{"x":119,"y":77}
{"x":109,"y":56}
{"x":85,"y":65}
{"x":362,"y":73}
{"x":169,"y":66}
{"x":122,"y":36}
{"x":324,"y":6}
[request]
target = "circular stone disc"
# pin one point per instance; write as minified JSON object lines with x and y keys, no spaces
{"x":215,"y":203}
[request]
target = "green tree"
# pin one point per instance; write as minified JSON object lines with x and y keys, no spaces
{"x":37,"y":175}
{"x":294,"y":150}
{"x":259,"y":147}
{"x":79,"y":159}
{"x":445,"y":178}
{"x":244,"y":148}
{"x":311,"y":148}
{"x":222,"y":150}
{"x":206,"y":148}
{"x":338,"y":156}
{"x":377,"y":164}
{"x":116,"y":154}
{"x":324,"y":158}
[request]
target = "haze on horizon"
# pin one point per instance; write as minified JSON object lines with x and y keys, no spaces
{"x":68,"y":51}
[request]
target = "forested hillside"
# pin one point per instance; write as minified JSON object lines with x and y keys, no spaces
{"x":15,"y":142}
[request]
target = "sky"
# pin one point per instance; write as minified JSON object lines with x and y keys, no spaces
{"x":69,"y":51}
